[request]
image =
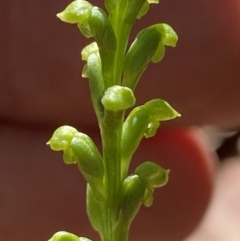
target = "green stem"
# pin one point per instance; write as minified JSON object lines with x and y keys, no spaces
{"x":111,"y":131}
{"x":122,"y":32}
{"x":113,"y":231}
{"x":122,"y":39}
{"x":107,"y":225}
{"x":111,"y":126}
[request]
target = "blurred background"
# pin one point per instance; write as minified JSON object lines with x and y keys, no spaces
{"x":41,"y":88}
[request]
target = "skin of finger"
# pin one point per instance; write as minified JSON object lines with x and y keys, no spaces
{"x":222,"y":219}
{"x":41,"y":195}
{"x":41,"y":67}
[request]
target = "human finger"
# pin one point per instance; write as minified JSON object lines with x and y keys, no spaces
{"x":222,"y":219}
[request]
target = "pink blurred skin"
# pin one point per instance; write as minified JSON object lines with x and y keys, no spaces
{"x":40,"y":88}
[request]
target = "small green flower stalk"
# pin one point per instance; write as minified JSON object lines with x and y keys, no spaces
{"x":113,"y":195}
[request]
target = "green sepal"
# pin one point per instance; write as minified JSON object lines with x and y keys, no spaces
{"x":143,"y":121}
{"x":153,"y":1}
{"x":93,"y":70}
{"x":148,"y":198}
{"x":77,"y":11}
{"x":88,"y":50}
{"x":145,"y":7}
{"x":139,"y":54}
{"x":66,"y":236}
{"x":103,"y":33}
{"x":85,"y":29}
{"x":85,"y":71}
{"x":152,"y":128}
{"x":79,"y":148}
{"x":134,"y":128}
{"x":153,"y":176}
{"x":118,"y":98}
{"x":169,"y":36}
{"x":90,"y":163}
{"x":149,"y":45}
{"x":160,"y":110}
{"x":94,"y":210}
{"x":88,"y":157}
{"x":68,"y":156}
{"x":84,"y":239}
{"x":96,"y":84}
{"x":159,"y":53}
{"x":95,"y":23}
{"x":131,"y":197}
{"x":131,"y":9}
{"x":62,"y":137}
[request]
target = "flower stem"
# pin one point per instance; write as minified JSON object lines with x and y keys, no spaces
{"x":111,"y":131}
